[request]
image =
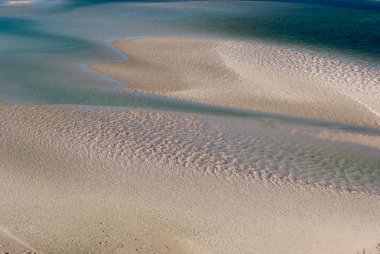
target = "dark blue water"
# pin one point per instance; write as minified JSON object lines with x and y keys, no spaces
{"x":349,"y":27}
{"x":353,"y":30}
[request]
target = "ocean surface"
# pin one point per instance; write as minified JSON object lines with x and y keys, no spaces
{"x":45,"y":48}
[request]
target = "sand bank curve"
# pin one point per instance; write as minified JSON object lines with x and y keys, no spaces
{"x":249,"y":76}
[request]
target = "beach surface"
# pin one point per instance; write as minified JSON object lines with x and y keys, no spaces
{"x":10,"y":244}
{"x":251,"y":76}
{"x":116,"y":180}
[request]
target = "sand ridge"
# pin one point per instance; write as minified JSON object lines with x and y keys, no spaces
{"x":10,"y":244}
{"x":249,"y":76}
{"x":263,"y":151}
{"x":112,"y":180}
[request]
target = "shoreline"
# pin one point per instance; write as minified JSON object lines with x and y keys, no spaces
{"x":155,"y":192}
{"x":153,"y":76}
{"x":3,"y":104}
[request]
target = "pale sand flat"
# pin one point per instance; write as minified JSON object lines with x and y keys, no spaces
{"x":249,"y":76}
{"x":84,"y":180}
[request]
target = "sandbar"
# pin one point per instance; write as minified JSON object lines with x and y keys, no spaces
{"x":250,"y":76}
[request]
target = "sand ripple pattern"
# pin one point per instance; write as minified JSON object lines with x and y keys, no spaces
{"x":359,"y":83}
{"x":251,"y":76}
{"x":264,"y":151}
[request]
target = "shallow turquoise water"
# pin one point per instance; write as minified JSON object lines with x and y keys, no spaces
{"x":42,"y":46}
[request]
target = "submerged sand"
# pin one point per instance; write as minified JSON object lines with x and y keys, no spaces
{"x":111,"y":180}
{"x":3,"y":104}
{"x":249,"y":76}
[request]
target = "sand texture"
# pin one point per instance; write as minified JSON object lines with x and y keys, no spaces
{"x":360,"y":139}
{"x":113,"y":180}
{"x":10,"y":244}
{"x":249,"y":76}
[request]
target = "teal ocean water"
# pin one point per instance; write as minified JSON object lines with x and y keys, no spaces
{"x":42,"y":45}
{"x":46,"y":46}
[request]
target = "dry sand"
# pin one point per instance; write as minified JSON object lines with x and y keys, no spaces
{"x":249,"y":76}
{"x":108,"y":180}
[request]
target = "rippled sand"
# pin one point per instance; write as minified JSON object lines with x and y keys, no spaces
{"x":361,"y":139}
{"x":249,"y":76}
{"x":114,"y":180}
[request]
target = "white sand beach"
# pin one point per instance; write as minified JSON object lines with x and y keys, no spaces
{"x":189,"y":127}
{"x":249,"y":76}
{"x":115,"y":180}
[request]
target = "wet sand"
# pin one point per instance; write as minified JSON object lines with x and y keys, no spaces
{"x":114,"y":180}
{"x":3,"y":104}
{"x":249,"y":76}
